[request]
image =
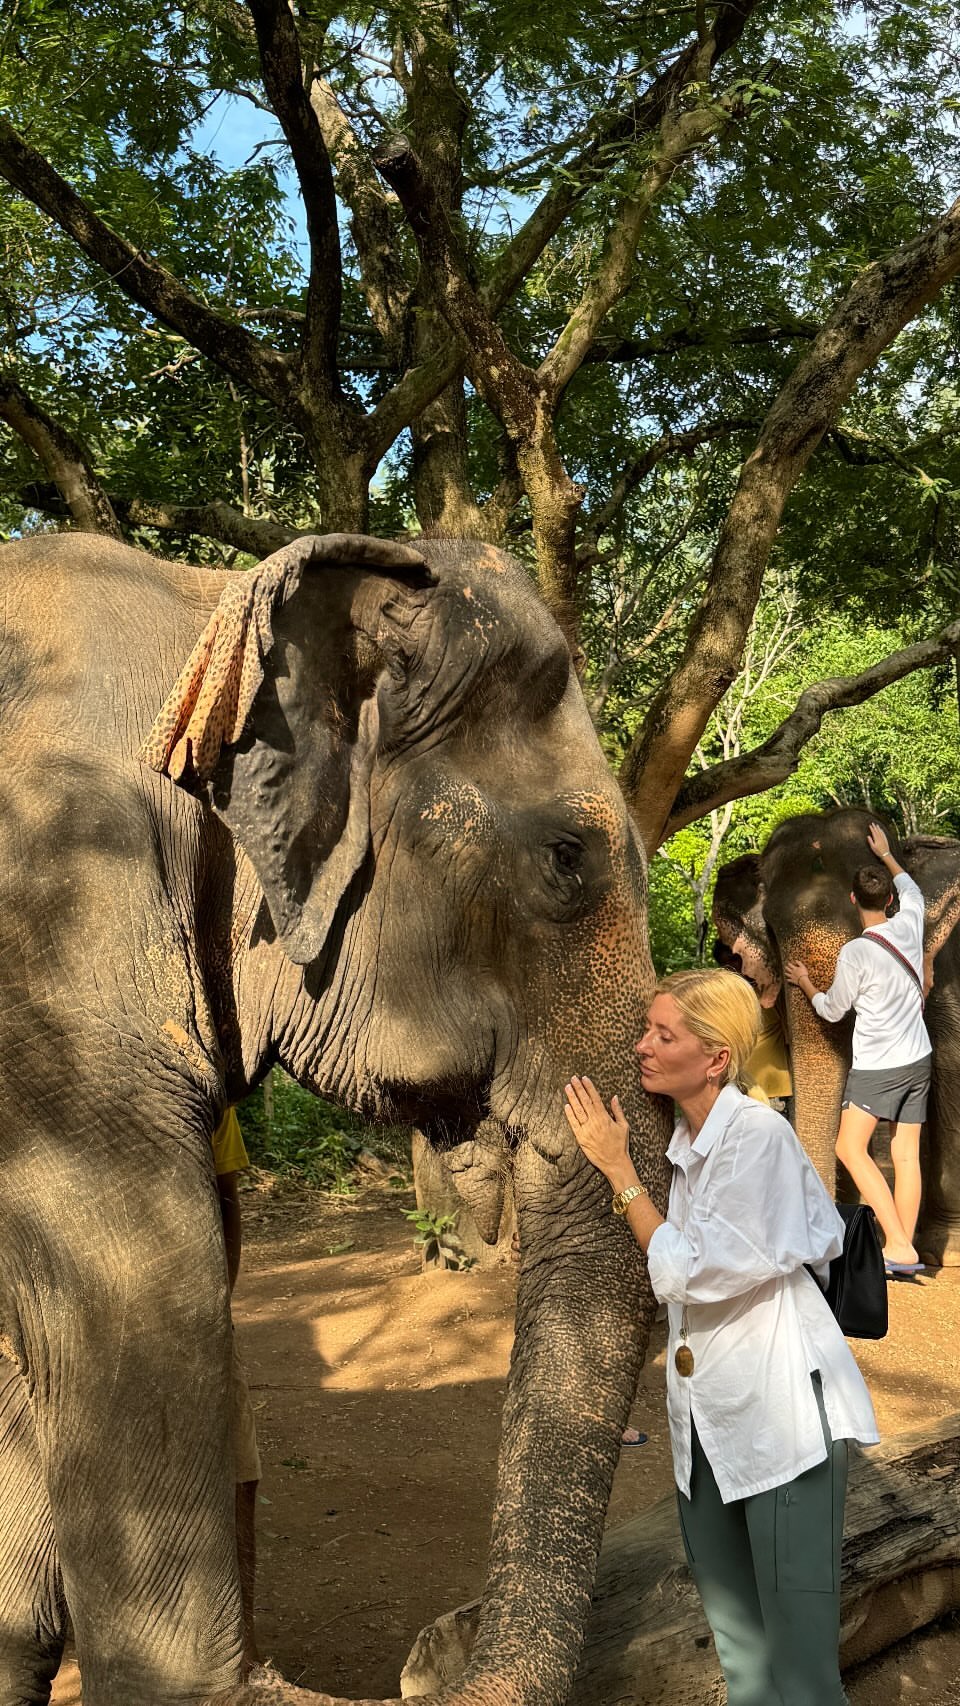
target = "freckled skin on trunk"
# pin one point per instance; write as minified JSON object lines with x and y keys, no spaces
{"x":819,"y":1054}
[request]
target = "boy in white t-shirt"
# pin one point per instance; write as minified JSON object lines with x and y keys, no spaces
{"x":881,"y":975}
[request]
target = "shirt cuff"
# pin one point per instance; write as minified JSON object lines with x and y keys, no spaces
{"x":817,"y":1002}
{"x":667,"y":1258}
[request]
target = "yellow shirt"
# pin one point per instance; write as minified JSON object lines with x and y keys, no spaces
{"x":229,"y":1154}
{"x":769,"y":1064}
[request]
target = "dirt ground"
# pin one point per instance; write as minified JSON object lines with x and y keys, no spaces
{"x":378,"y":1392}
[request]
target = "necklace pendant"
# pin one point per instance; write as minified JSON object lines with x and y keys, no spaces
{"x":683,"y":1361}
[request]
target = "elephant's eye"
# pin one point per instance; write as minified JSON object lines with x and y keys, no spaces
{"x":568,"y":857}
{"x":564,"y":868}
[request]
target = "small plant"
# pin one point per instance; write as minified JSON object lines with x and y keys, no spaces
{"x":437,"y":1239}
{"x":303,"y":1139}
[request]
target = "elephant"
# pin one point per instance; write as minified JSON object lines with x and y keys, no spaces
{"x":792,"y":902}
{"x":344,"y":811}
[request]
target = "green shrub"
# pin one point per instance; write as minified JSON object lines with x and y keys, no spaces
{"x":437,"y":1239}
{"x":304,"y":1139}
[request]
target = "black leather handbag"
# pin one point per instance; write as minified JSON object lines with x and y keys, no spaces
{"x":857,"y":1288}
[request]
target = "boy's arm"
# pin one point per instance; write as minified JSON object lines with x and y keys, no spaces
{"x":878,"y":844}
{"x":833,"y":1003}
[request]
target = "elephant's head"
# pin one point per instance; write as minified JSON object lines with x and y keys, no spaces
{"x":739,"y":922}
{"x":451,"y":923}
{"x":792,"y":902}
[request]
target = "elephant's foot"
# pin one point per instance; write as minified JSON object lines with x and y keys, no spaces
{"x":939,"y":1245}
{"x":266,"y":1687}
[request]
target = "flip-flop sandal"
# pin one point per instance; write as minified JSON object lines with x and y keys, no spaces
{"x":641,"y":1439}
{"x":903,"y":1270}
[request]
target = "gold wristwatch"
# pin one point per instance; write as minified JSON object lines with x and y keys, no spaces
{"x":624,"y":1198}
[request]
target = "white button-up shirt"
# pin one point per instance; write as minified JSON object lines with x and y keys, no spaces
{"x":747,"y":1211}
{"x":889,"y":1029}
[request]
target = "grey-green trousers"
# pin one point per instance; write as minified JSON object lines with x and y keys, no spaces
{"x":768,"y":1572}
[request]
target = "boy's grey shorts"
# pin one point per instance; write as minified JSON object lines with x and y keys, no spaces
{"x":897,"y":1093}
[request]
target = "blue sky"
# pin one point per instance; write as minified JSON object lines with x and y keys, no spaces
{"x":231,"y":131}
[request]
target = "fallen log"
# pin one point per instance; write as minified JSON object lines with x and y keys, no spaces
{"x":647,"y":1641}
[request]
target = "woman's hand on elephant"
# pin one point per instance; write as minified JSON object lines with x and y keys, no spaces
{"x":877,"y":841}
{"x":796,"y":973}
{"x":604,"y":1137}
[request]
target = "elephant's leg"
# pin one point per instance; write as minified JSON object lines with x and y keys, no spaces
{"x":32,"y":1611}
{"x":125,"y":1332}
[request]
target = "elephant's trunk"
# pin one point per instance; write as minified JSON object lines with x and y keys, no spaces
{"x":819,"y":1056}
{"x":584,"y":1316}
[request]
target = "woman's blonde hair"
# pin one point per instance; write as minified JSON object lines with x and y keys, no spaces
{"x":721,"y":1009}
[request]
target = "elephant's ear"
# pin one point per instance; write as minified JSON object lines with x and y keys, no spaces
{"x":273,"y":719}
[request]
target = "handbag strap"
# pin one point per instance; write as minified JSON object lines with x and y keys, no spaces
{"x":882,"y":942}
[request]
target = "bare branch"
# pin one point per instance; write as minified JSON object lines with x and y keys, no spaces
{"x":66,"y":461}
{"x":884,"y":298}
{"x":778,"y":757}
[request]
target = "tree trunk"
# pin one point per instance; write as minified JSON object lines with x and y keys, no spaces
{"x":648,"y":1643}
{"x":444,"y":498}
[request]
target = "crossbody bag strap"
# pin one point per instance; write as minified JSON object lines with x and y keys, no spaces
{"x":882,"y":942}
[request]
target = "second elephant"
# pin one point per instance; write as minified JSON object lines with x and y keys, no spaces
{"x":792,"y":902}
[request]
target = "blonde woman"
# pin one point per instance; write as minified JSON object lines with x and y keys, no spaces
{"x":762,"y":1390}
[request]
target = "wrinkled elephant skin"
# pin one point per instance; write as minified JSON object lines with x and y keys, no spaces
{"x":344,"y":811}
{"x":792,"y":902}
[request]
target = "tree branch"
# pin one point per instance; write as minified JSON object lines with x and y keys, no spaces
{"x":861,"y":450}
{"x":682,"y":133}
{"x":778,"y":757}
{"x":142,"y":278}
{"x":216,"y":520}
{"x":686,"y":443}
{"x":280,"y":59}
{"x":507,"y":385}
{"x":884,"y":298}
{"x":64,"y":458}
{"x":371,"y":222}
{"x":613,"y":133}
{"x":697,"y":337}
{"x":511,"y":389}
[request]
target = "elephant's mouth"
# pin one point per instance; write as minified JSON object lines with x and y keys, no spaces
{"x":447,"y":1114}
